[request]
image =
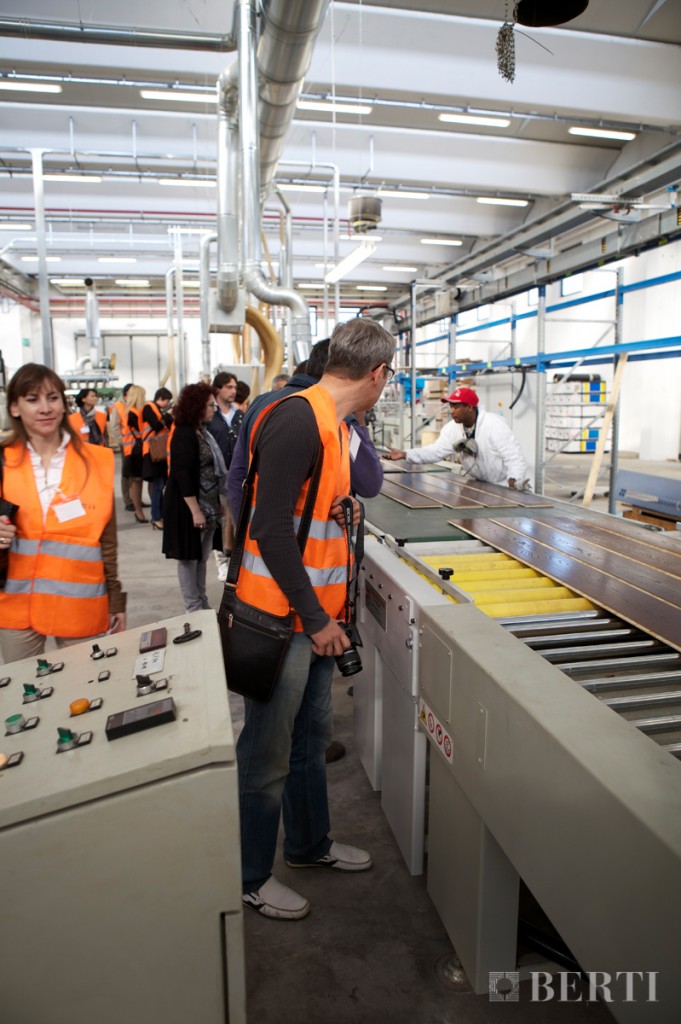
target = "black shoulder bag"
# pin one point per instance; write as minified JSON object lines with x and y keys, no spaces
{"x":9,"y":510}
{"x":254,"y":642}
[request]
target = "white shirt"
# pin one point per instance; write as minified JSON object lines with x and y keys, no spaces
{"x":47,"y":481}
{"x":499,"y":457}
{"x":227,"y":416}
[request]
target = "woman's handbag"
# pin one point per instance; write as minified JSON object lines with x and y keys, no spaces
{"x":158,"y":447}
{"x":9,"y":510}
{"x":254,"y":642}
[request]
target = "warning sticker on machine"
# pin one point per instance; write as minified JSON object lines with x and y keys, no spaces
{"x":436,"y":731}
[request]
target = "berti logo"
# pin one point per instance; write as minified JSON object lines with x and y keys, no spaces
{"x":573,"y":987}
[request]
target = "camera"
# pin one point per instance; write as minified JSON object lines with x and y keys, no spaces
{"x":349,"y":662}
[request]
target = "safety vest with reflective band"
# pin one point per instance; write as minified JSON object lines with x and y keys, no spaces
{"x":81,"y":428}
{"x":130,"y":434}
{"x":326,"y":552}
{"x":55,"y":579}
{"x":148,"y":430}
{"x":170,"y":442}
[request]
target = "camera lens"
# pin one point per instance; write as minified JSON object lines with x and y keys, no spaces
{"x":349,"y":662}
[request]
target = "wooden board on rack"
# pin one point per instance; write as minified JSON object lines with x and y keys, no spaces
{"x":444,"y":491}
{"x":404,"y":496}
{"x":647,"y":599}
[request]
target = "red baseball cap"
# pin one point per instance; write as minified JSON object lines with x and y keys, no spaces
{"x":465,"y":396}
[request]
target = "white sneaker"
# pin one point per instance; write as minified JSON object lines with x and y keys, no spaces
{"x":340,"y":857}
{"x":222,"y":572}
{"x":273,"y":899}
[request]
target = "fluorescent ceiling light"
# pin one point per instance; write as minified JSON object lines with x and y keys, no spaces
{"x":602,"y":133}
{"x":498,"y":201}
{"x":117,"y":259}
{"x":7,"y":225}
{"x":371,"y":288}
{"x":441,"y":241}
{"x":133,"y":282}
{"x":14,"y":86}
{"x":68,"y":282}
{"x":292,"y":187}
{"x":311,"y":284}
{"x":174,"y":95}
{"x":34,"y":259}
{"x":191,"y":284}
{"x":329,"y":107}
{"x":402,"y":193}
{"x":485,"y":122}
{"x":91,"y":179}
{"x":401,"y":270}
{"x":188,"y":182}
{"x":352,"y":260}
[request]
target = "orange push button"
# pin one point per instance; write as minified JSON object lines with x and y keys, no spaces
{"x":78,"y":707}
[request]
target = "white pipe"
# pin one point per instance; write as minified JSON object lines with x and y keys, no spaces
{"x":204,"y":279}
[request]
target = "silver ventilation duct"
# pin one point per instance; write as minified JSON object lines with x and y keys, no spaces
{"x":283,"y":57}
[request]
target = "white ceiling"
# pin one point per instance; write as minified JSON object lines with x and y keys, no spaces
{"x":617,"y":63}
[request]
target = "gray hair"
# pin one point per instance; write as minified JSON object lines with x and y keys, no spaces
{"x":357,"y":347}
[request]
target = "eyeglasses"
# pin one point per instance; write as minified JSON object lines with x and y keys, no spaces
{"x":212,"y":405}
{"x":389,"y":372}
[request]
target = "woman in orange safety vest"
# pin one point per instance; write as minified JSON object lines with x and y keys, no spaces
{"x":131,"y":440}
{"x":156,"y":422}
{"x":88,"y":421}
{"x":62,"y":577}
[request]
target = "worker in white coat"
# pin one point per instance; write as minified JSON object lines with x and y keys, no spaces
{"x":481,"y":441}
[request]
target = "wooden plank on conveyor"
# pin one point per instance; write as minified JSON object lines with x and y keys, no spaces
{"x":402,"y":466}
{"x":652,"y":614}
{"x":617,"y":565}
{"x":617,"y":537}
{"x":406,"y":497}
{"x":433,"y":487}
{"x":525,"y":499}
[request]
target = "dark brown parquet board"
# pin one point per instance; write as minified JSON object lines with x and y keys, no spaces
{"x":620,"y":566}
{"x":525,"y":499}
{"x":640,"y":549}
{"x":406,"y":497}
{"x":652,"y":614}
{"x":444,"y":492}
{"x":402,"y":466}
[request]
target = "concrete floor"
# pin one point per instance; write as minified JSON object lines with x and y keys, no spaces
{"x":373,"y":947}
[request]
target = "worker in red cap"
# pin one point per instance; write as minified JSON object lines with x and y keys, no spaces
{"x":481,"y":441}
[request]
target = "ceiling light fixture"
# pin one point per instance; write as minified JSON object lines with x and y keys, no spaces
{"x":34,"y":259}
{"x":117,"y":259}
{"x":12,"y":85}
{"x":499,"y":201}
{"x":401,"y":270}
{"x":293,"y":187}
{"x":8,"y":225}
{"x":90,"y":179}
{"x":329,"y":107}
{"x":311,"y":284}
{"x":349,"y":262}
{"x":479,"y":119}
{"x":371,"y":288}
{"x":188,"y":182}
{"x":174,"y":95}
{"x":133,"y":282}
{"x":441,"y":241}
{"x":68,"y":282}
{"x":190,"y":284}
{"x":402,"y":193}
{"x":602,"y":133}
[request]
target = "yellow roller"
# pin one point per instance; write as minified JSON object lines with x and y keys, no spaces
{"x":515,"y":610}
{"x":548,"y":596}
{"x":479,"y":586}
{"x":514,"y":572}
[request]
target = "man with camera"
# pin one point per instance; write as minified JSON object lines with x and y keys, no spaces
{"x":281,"y":749}
{"x":481,"y":441}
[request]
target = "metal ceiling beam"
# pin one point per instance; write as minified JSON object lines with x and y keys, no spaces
{"x":76,"y":32}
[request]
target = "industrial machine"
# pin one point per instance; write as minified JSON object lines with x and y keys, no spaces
{"x":548,"y":687}
{"x":120,"y":872}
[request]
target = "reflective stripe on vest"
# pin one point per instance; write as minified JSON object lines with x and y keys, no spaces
{"x":56,"y":588}
{"x":326,"y":553}
{"x":78,"y":552}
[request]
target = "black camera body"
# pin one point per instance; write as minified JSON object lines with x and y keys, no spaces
{"x":349,"y":662}
{"x":9,"y":510}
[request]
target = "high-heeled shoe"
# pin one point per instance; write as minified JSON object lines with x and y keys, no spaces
{"x":157,"y":524}
{"x":141,"y":519}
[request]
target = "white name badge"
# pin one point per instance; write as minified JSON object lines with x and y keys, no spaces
{"x":85,"y":429}
{"x":67,"y":510}
{"x":355,"y":442}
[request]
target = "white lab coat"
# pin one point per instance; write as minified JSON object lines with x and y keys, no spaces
{"x":499,"y":458}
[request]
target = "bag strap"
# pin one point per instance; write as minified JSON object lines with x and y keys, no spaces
{"x":245,"y":511}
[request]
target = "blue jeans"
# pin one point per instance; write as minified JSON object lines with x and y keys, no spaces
{"x":281,"y":757}
{"x":156,"y":487}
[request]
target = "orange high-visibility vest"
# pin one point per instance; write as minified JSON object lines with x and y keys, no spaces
{"x":77,"y":421}
{"x":130,"y":434}
{"x":326,"y":552}
{"x":147,"y":429}
{"x":170,"y":441}
{"x":55,"y":579}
